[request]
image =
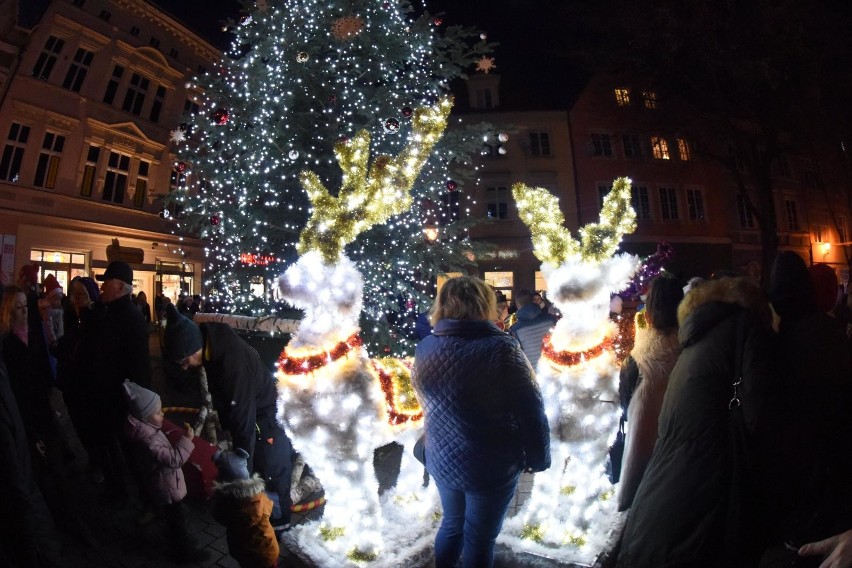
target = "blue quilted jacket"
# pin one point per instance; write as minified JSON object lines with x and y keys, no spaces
{"x":484,"y":414}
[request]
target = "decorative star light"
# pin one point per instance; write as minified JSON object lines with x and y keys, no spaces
{"x":177,"y":135}
{"x":486,"y":64}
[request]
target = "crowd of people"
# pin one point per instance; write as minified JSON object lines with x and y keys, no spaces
{"x":91,"y":348}
{"x":736,"y":401}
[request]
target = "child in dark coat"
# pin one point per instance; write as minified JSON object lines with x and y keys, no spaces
{"x":161,"y":464}
{"x":241,"y":505}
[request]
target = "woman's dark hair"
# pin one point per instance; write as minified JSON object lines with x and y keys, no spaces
{"x":662,"y":301}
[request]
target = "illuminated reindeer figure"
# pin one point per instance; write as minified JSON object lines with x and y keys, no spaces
{"x":331,"y":404}
{"x":570,"y":509}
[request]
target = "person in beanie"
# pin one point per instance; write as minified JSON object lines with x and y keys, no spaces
{"x":50,"y":308}
{"x":160,"y":465}
{"x":243,"y":393}
{"x":241,"y":505}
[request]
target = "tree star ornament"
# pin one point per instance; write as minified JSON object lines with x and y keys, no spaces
{"x":368,"y":194}
{"x":485,"y":64}
{"x":177,"y":135}
{"x":347,"y":27}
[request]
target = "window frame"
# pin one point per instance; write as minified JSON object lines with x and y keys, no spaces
{"x":49,"y":160}
{"x":497,"y":202}
{"x":13,"y":151}
{"x":668,"y":203}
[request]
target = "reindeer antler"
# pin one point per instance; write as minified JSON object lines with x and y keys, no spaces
{"x":553,"y":243}
{"x":368,"y":197}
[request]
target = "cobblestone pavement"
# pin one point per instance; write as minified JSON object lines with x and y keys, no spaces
{"x":106,"y":536}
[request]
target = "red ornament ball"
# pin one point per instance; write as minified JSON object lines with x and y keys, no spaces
{"x":181,"y":167}
{"x":220,"y":116}
{"x":438,"y":21}
{"x":391,"y":126}
{"x":386,"y":349}
{"x":452,"y":185}
{"x":332,"y":99}
{"x":385,"y":5}
{"x":407,"y":112}
{"x":215,"y":220}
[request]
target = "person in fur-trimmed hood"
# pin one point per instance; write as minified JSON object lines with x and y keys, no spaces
{"x":688,"y":511}
{"x":241,"y":505}
{"x":654,"y":353}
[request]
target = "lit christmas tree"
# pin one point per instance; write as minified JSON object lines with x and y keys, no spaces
{"x":301,"y":76}
{"x":571,"y":510}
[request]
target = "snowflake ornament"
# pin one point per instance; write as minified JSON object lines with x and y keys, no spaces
{"x":485,"y":64}
{"x":177,"y":135}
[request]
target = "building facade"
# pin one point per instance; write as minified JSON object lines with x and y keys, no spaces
{"x":88,"y":115}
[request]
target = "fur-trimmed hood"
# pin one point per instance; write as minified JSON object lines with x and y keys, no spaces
{"x":655,"y":351}
{"x":239,"y":489}
{"x":715,"y":300}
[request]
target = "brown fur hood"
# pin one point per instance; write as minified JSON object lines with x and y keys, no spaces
{"x":239,"y":489}
{"x":714,"y":300}
{"x":655,"y":352}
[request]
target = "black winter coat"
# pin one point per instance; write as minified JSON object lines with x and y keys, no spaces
{"x":243,"y":390}
{"x":484,"y":413}
{"x":680,"y":513}
{"x":122,"y":353}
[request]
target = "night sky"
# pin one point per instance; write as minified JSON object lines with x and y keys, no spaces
{"x":534,"y":38}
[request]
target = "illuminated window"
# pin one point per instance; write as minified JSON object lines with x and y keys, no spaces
{"x":540,"y":282}
{"x":47,"y":58}
{"x":13,"y":153}
{"x":668,"y":203}
{"x":141,"y":184}
{"x":660,"y":148}
{"x":746,"y":219}
{"x":791,"y":215}
{"x":632,"y":146}
{"x":821,"y":234}
{"x":540,"y":143}
{"x":695,"y":204}
{"x":602,"y":144}
{"x":78,"y":70}
{"x":684,"y":149}
{"x":89,"y":170}
{"x":48,"y":160}
{"x":622,"y":97}
{"x":497,"y":198}
{"x":640,"y":202}
{"x":503,"y":281}
{"x":115,"y":181}
{"x":650,"y":98}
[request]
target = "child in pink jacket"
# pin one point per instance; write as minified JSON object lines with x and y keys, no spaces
{"x":160,"y":465}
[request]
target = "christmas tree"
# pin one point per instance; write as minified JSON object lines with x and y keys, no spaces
{"x":301,"y":76}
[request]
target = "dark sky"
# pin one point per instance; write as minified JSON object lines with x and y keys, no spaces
{"x":534,"y":37}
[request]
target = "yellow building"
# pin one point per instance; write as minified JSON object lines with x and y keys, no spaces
{"x":90,"y":99}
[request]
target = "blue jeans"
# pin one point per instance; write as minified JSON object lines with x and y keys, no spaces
{"x":471,"y":522}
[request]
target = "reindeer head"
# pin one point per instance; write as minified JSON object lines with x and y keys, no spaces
{"x":582,"y":274}
{"x":323,"y":282}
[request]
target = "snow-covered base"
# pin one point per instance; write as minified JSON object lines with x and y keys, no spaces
{"x":336,"y":420}
{"x":572,"y":506}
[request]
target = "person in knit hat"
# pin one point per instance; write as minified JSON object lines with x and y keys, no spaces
{"x":244,"y":394}
{"x":159,"y":464}
{"x":243,"y":508}
{"x":50,"y":308}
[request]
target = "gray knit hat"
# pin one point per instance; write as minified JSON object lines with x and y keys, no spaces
{"x":141,"y":401}
{"x":182,"y":337}
{"x":232,"y":465}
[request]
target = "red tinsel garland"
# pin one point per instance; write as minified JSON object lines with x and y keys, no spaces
{"x":304,"y":365}
{"x":571,"y":358}
{"x":395,"y":417}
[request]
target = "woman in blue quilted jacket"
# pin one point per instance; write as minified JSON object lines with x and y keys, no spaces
{"x":484,"y":418}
